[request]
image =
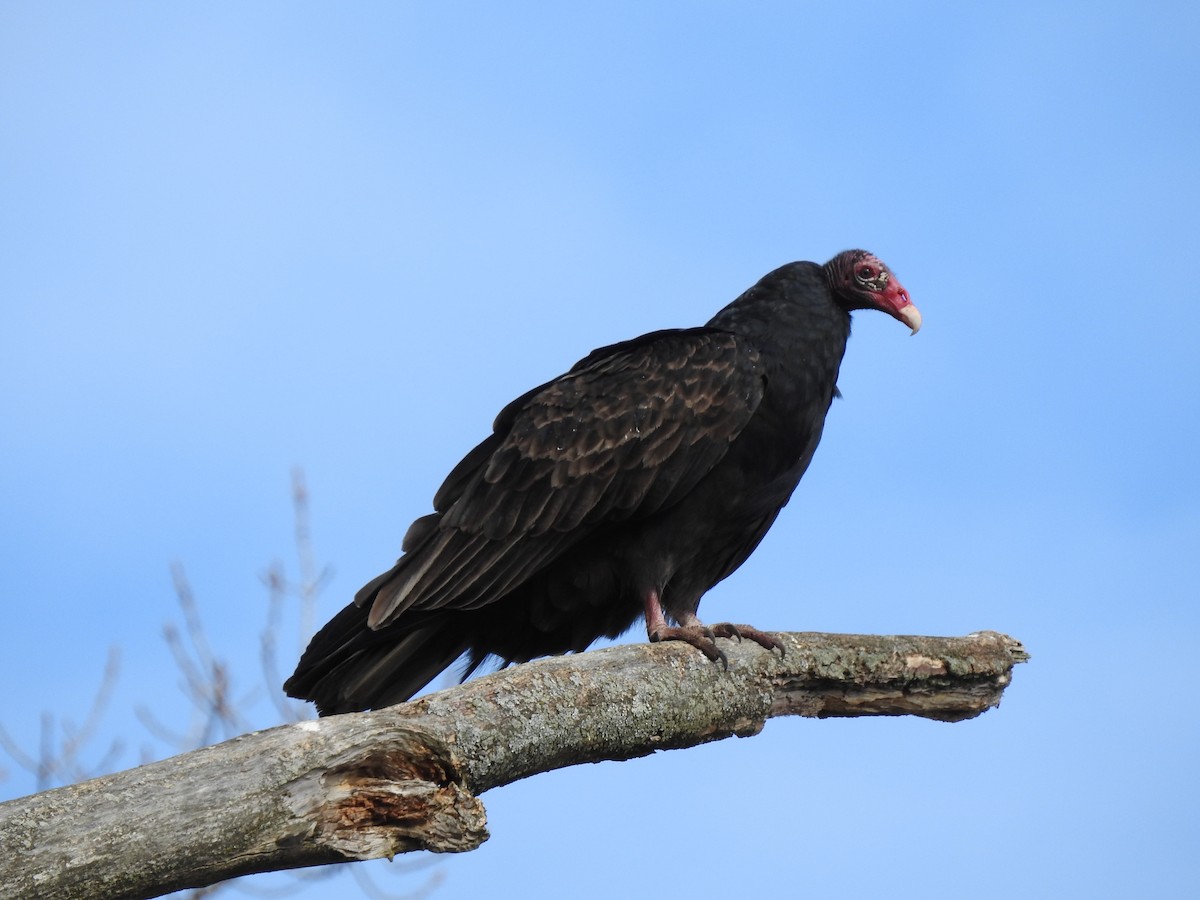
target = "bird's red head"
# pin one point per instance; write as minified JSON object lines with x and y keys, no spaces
{"x":862,"y":281}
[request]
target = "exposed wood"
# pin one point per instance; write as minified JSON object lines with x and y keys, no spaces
{"x":367,"y":785}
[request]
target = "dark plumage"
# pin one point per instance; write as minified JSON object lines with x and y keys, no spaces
{"x":628,"y":486}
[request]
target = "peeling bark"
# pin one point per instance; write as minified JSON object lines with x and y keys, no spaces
{"x":369,"y":785}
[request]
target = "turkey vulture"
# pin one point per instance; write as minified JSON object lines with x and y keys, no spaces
{"x":627,"y":487}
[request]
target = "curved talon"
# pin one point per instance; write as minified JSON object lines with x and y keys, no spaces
{"x":692,"y":631}
{"x":699,"y":636}
{"x":762,"y":638}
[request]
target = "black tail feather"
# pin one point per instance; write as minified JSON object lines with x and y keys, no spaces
{"x":348,"y":667}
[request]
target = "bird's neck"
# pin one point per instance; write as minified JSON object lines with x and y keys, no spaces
{"x":792,"y":317}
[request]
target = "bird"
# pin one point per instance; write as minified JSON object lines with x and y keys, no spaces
{"x":621,"y":490}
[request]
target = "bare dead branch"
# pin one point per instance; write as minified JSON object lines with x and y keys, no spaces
{"x":280,"y":590}
{"x":207,"y":682}
{"x":60,"y":748}
{"x":368,"y":785}
{"x":312,"y":578}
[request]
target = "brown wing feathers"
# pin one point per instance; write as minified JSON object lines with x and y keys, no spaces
{"x":575,"y":454}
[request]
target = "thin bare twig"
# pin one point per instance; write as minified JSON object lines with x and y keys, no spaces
{"x":60,"y":748}
{"x":279,"y":590}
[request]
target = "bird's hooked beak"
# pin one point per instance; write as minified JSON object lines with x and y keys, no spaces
{"x":909,"y":314}
{"x":897,"y":303}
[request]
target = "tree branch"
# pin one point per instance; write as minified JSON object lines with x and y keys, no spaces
{"x":375,"y":784}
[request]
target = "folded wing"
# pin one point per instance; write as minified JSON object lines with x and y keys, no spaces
{"x":627,"y":432}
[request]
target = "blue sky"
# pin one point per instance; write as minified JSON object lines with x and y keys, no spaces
{"x":246,"y":237}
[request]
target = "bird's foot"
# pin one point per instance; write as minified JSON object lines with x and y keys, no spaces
{"x":703,"y":637}
{"x":750,"y":633}
{"x":699,"y":636}
{"x":692,"y":631}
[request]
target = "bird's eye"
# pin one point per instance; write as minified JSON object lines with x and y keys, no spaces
{"x":865,"y":273}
